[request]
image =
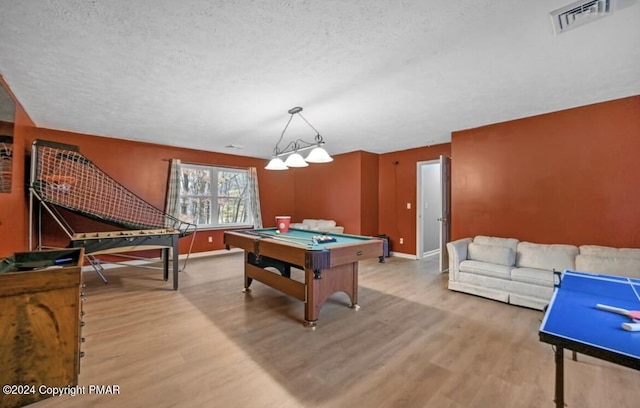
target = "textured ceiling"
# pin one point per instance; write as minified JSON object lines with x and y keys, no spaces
{"x":7,"y":107}
{"x":373,"y":75}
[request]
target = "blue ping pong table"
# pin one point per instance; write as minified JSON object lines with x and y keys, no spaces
{"x":573,"y":322}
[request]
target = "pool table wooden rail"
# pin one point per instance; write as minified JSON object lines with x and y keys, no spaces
{"x":299,"y":254}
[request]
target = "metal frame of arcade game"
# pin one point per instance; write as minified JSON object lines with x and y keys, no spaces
{"x":61,"y":177}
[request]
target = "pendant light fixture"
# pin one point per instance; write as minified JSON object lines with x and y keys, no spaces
{"x":317,"y":155}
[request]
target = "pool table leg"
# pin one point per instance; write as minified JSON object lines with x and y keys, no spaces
{"x":247,"y":279}
{"x":310,"y":324}
{"x":313,"y":302}
{"x":247,"y":283}
{"x":342,"y":278}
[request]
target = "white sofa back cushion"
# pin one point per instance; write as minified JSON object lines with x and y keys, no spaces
{"x":325,"y":223}
{"x":503,"y":242}
{"x":597,"y":250}
{"x":494,"y":254}
{"x":609,"y":265}
{"x":299,"y":225}
{"x":546,"y":256}
{"x":310,"y":222}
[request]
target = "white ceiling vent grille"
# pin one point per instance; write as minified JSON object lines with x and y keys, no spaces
{"x":580,"y":12}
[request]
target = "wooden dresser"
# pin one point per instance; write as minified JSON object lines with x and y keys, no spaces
{"x":40,"y":323}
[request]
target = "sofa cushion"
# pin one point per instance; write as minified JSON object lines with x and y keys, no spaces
{"x":492,"y":254}
{"x":503,"y":242}
{"x":540,"y":277}
{"x":486,"y":269}
{"x":299,"y":225}
{"x":597,"y":250}
{"x":310,"y":222}
{"x":609,"y":265}
{"x":546,"y":256}
{"x":325,"y":223}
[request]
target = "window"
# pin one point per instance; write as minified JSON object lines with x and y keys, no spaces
{"x":6,"y":163}
{"x":214,"y":196}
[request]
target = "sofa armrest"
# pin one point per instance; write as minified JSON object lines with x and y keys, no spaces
{"x":457,"y":253}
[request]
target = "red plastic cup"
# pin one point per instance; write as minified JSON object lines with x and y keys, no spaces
{"x":283,"y":222}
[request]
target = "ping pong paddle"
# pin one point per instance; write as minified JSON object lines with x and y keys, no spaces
{"x":631,"y":326}
{"x":632,"y":314}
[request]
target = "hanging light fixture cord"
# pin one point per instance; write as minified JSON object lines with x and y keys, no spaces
{"x":317,"y":154}
{"x":298,"y":144}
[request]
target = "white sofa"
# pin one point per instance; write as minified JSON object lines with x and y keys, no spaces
{"x":328,"y":226}
{"x":521,"y":273}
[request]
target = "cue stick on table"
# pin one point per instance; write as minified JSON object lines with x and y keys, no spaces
{"x":291,"y":240}
{"x":294,"y":238}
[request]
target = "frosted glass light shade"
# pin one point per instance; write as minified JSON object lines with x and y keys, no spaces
{"x":295,"y":160}
{"x":319,"y":155}
{"x":276,"y":164}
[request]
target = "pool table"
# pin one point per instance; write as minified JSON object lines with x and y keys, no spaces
{"x":329,"y":267}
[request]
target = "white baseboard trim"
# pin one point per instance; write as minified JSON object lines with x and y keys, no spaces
{"x":144,"y":262}
{"x":401,"y":255}
{"x":431,"y":253}
{"x":217,"y":252}
{"x":114,"y":265}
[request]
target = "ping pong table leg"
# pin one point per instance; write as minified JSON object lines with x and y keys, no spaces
{"x":559,"y":357}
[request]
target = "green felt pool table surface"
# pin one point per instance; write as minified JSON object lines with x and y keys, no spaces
{"x":304,"y":237}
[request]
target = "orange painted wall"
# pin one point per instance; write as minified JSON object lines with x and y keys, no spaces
{"x":345,"y":190}
{"x":571,"y":176}
{"x":143,"y":168}
{"x":6,"y":128}
{"x":329,"y":191}
{"x":277,"y":193}
{"x":13,"y":206}
{"x":397,"y":187}
{"x":369,"y":194}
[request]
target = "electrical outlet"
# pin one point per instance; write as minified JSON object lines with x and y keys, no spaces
{"x":210,"y":239}
{"x":401,"y":241}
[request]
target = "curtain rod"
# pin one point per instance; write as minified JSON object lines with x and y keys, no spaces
{"x":210,"y":165}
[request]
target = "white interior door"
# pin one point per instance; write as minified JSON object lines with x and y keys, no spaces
{"x":428,"y":209}
{"x":445,"y":217}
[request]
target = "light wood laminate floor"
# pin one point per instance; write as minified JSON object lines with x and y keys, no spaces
{"x":413,"y":343}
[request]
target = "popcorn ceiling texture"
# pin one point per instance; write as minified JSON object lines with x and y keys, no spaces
{"x":373,"y":75}
{"x":7,"y":108}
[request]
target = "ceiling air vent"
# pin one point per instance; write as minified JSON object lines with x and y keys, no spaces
{"x":580,"y":12}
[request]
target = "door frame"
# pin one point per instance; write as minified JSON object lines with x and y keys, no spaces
{"x":420,"y":209}
{"x":445,"y":219}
